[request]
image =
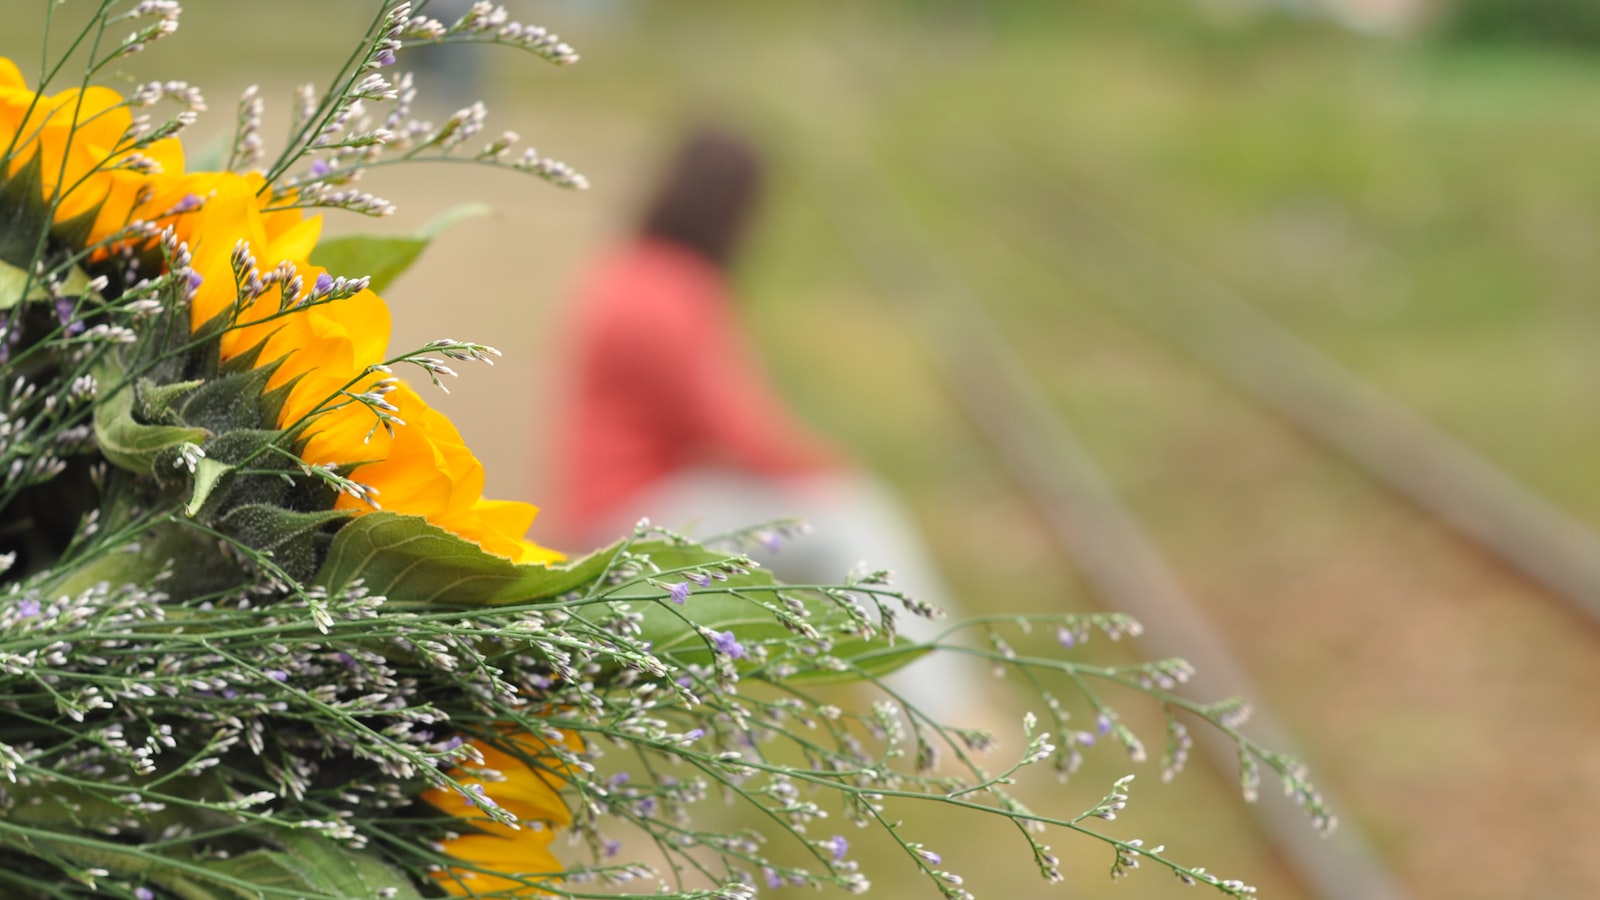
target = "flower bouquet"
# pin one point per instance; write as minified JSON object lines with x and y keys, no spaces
{"x":262,"y":635}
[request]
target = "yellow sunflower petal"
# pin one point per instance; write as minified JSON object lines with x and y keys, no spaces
{"x":527,"y":855}
{"x":11,"y":76}
{"x":531,"y":793}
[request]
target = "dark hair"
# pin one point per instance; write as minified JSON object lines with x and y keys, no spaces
{"x":706,"y":196}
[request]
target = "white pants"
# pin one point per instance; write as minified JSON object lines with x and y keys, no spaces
{"x":854,"y":519}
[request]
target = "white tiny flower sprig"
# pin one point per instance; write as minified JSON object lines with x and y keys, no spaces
{"x":360,"y":389}
{"x":41,"y":422}
{"x":1158,"y":680}
{"x":248,"y":145}
{"x":340,"y":135}
{"x":489,"y":23}
{"x":162,"y":17}
{"x":155,"y":19}
{"x":434,"y":367}
{"x":367,"y":684}
{"x":703,"y":722}
{"x":150,"y":20}
{"x":45,"y":419}
{"x":451,"y":349}
{"x":328,"y":474}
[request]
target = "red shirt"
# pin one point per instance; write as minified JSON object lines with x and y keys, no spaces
{"x":665,"y":380}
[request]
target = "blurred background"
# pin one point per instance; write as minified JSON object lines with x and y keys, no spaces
{"x":1216,"y":247}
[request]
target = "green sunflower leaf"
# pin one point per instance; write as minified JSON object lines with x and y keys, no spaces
{"x":342,"y":872}
{"x":305,"y":865}
{"x":410,"y":561}
{"x":288,"y":535}
{"x":322,"y":867}
{"x":226,"y":402}
{"x":263,"y":526}
{"x":13,"y":283}
{"x":384,"y":258}
{"x":208,"y":473}
{"x":16,"y":287}
{"x":123,"y":439}
{"x":154,"y":401}
{"x":242,"y":877}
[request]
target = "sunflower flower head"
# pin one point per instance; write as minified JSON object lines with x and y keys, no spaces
{"x":521,"y":777}
{"x":255,"y":290}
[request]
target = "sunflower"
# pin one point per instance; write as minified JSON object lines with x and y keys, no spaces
{"x":80,"y":139}
{"x":322,"y":353}
{"x":521,"y":776}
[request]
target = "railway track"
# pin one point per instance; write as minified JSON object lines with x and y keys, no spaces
{"x":1046,"y":459}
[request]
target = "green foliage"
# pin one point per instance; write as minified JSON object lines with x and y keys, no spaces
{"x":311,"y":864}
{"x":14,"y":282}
{"x":23,"y":218}
{"x":412,"y":562}
{"x":1552,"y":23}
{"x":208,"y":474}
{"x":299,"y":864}
{"x":126,"y":441}
{"x":747,"y":604}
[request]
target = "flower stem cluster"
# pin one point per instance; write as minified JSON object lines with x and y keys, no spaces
{"x":260,"y":630}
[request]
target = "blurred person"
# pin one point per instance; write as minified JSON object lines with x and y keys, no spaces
{"x":671,"y":417}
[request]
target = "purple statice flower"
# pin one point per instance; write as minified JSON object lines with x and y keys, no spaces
{"x":28,"y":607}
{"x":773,"y":879}
{"x":65,"y":307}
{"x":324,"y":284}
{"x":277,"y":675}
{"x":143,"y":893}
{"x":1066,"y":637}
{"x":836,"y":845}
{"x":679,"y":592}
{"x":700,"y":578}
{"x":1102,"y":724}
{"x":727,"y":643}
{"x":475,"y":797}
{"x":385,"y":57}
{"x":612,"y":847}
{"x":931,"y":857}
{"x":319,"y":168}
